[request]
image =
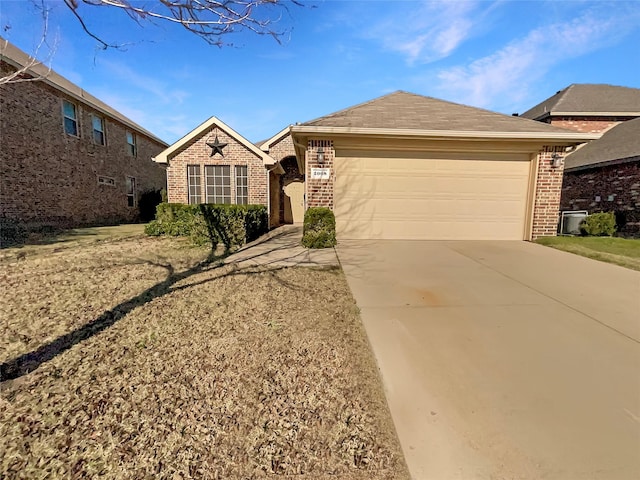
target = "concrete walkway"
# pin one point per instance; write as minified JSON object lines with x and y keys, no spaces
{"x":503,"y":360}
{"x":281,"y":247}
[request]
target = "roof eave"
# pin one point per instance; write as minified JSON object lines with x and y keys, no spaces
{"x":604,"y":163}
{"x":556,"y":137}
{"x":586,"y":114}
{"x":266,"y":145}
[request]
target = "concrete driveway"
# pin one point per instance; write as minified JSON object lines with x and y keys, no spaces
{"x":503,"y":360}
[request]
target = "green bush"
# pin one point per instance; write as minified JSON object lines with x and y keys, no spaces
{"x":230,"y":225}
{"x":599,"y":224}
{"x":319,"y":229}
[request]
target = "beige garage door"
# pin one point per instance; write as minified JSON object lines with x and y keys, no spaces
{"x":435,"y":197}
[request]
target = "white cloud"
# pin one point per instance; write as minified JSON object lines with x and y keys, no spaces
{"x":427,"y":31}
{"x":506,"y":76}
{"x":146,"y":83}
{"x":161,"y":120}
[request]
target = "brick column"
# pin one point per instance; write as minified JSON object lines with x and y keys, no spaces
{"x":546,"y":208}
{"x":320,"y":191}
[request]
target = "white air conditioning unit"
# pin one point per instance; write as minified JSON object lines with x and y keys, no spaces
{"x":570,"y":221}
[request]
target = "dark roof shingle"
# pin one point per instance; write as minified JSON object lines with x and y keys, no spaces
{"x":405,"y":110}
{"x":619,"y":143}
{"x":589,"y":98}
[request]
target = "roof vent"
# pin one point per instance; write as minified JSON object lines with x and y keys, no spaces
{"x":515,"y":114}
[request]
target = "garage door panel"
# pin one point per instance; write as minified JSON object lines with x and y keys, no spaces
{"x":480,"y":209}
{"x":431,"y":198}
{"x":502,"y":188}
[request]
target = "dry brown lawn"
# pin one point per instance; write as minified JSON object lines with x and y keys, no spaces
{"x":140,"y":358}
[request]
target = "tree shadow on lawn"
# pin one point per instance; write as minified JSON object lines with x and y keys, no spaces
{"x":30,"y":361}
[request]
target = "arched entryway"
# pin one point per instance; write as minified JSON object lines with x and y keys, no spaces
{"x":291,"y":192}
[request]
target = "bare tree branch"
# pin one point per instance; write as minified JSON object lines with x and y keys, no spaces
{"x":210,"y":20}
{"x":31,"y":70}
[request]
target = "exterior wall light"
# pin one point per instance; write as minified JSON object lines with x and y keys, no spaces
{"x":320,"y":155}
{"x":556,"y":160}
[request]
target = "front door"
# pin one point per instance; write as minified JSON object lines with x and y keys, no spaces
{"x":294,"y":202}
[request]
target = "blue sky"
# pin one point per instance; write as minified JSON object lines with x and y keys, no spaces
{"x":505,"y":56}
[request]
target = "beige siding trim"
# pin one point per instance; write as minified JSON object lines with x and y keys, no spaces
{"x":560,"y":137}
{"x":533,"y":182}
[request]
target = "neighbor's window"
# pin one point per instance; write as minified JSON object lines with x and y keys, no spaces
{"x":242,"y":185}
{"x":98,"y":129}
{"x":70,"y":118}
{"x":194,"y":182}
{"x":131,"y":144}
{"x":218,"y":183}
{"x":131,"y":191}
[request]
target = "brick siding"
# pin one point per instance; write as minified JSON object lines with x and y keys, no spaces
{"x":197,"y":152}
{"x":587,"y":124}
{"x":282,"y":148}
{"x":320,"y":192}
{"x":546,"y":207}
{"x":581,"y":189}
{"x":49,"y":177}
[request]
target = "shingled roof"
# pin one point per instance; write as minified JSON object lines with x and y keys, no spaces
{"x":589,"y":99}
{"x":406,"y":110}
{"x":619,"y":144}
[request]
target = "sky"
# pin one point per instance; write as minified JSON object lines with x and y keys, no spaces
{"x":504,"y":56}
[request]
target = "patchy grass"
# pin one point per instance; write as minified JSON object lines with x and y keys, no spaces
{"x":145,"y":358}
{"x":621,"y":251}
{"x":56,"y":240}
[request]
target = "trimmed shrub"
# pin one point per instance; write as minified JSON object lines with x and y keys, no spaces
{"x":231,"y":225}
{"x":599,"y":224}
{"x":319,"y":229}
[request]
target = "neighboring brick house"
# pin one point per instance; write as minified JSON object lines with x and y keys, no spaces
{"x":603,"y":175}
{"x":400,"y":166}
{"x":68,"y":159}
{"x":588,"y":107}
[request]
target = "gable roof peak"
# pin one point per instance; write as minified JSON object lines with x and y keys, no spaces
{"x":200,"y":130}
{"x":406,"y":110}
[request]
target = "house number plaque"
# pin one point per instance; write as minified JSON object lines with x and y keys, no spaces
{"x":320,"y":173}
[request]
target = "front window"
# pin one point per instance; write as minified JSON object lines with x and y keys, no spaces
{"x":70,"y":116}
{"x":98,"y":129}
{"x":131,"y":144}
{"x":194,"y":181}
{"x":218,"y":182}
{"x":242,"y":185}
{"x":131,"y":191}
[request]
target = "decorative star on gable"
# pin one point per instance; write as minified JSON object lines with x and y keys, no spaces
{"x":216,"y":146}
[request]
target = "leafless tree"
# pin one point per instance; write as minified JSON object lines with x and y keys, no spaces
{"x":211,"y":20}
{"x":30,"y":69}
